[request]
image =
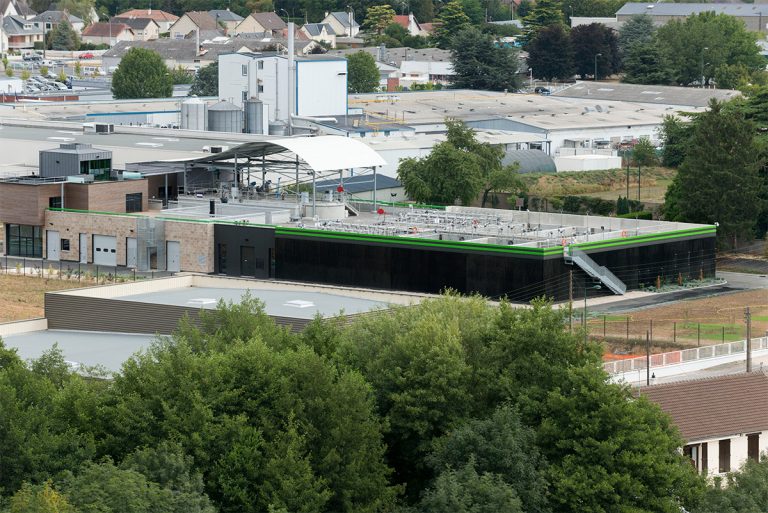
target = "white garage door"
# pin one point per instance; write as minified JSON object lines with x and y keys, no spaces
{"x":104,"y":250}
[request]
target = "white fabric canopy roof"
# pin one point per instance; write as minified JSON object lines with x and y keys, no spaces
{"x":322,"y":153}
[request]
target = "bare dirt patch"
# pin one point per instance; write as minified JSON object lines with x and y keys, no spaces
{"x":705,"y":321}
{"x":21,"y":297}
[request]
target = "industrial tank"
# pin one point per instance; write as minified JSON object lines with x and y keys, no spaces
{"x":278,"y":128}
{"x":225,"y":117}
{"x":254,"y":116}
{"x":193,"y":114}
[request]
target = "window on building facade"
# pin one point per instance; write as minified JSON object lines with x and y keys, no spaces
{"x":724,"y":465}
{"x":65,"y":244}
{"x":260,"y":65}
{"x":54,"y":202}
{"x":245,"y":70}
{"x":24,"y":240}
{"x":133,"y":202}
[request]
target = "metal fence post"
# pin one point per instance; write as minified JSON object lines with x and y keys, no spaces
{"x":604,"y":322}
{"x":97,"y":275}
{"x":651,"y":330}
{"x":627,"y":329}
{"x":698,"y":334}
{"x":674,"y":332}
{"x":723,"y":334}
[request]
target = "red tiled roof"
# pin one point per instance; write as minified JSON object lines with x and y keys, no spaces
{"x":149,"y":13}
{"x":715,"y":407}
{"x":401,"y":19}
{"x":427,"y":27}
{"x":104,"y":29}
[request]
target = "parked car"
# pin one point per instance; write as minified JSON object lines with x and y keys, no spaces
{"x":31,"y":57}
{"x":87,"y":55}
{"x":542,"y":90}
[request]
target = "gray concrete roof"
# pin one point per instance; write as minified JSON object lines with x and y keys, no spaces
{"x":83,"y":347}
{"x":225,"y":15}
{"x":395,"y":56}
{"x":300,"y":304}
{"x":664,"y":95}
{"x":674,"y":9}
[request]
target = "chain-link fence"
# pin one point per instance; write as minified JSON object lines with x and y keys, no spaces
{"x":625,"y":332}
{"x":73,"y":271}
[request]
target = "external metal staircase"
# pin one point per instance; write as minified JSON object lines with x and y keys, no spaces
{"x":593,"y":269}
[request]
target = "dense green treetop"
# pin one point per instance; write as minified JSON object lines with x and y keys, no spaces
{"x":550,"y":54}
{"x":141,"y":74}
{"x":362,"y":73}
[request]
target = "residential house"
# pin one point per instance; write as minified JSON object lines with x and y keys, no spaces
{"x":107,"y":33}
{"x":49,"y":20}
{"x":342,"y":23}
{"x":320,"y":32}
{"x":144,"y":29}
{"x":163,"y":19}
{"x":754,"y":16}
{"x":425,"y":72}
{"x":415,"y":65}
{"x":16,"y":8}
{"x":226,"y":19}
{"x":19,"y":34}
{"x":409,"y":23}
{"x":193,"y":21}
{"x":261,"y":22}
{"x":175,"y":52}
{"x":722,"y":419}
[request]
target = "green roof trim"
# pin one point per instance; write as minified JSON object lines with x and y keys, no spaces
{"x":638,"y":239}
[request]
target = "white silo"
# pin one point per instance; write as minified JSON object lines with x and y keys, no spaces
{"x":194,"y":114}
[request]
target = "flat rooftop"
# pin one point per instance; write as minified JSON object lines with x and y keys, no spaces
{"x":496,"y":227}
{"x":637,"y":93}
{"x":81,"y":347}
{"x":549,"y":112}
{"x":300,"y":304}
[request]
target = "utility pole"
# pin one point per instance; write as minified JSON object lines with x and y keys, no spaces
{"x":647,"y":359}
{"x":748,"y":319}
{"x":570,"y":300}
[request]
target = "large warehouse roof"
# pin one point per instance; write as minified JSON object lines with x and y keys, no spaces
{"x":323,"y":153}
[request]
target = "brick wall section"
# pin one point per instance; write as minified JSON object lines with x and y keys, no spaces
{"x":110,"y":196}
{"x":196,"y":239}
{"x":25,"y":204}
{"x":71,"y":224}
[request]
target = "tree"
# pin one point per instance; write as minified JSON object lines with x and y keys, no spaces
{"x":719,"y":182}
{"x":44,"y":70}
{"x":594,"y":43}
{"x":550,"y":55}
{"x":141,"y":74}
{"x":466,"y":491}
{"x":78,"y":69}
{"x":474,"y":11}
{"x":180,"y":75}
{"x":503,"y":179}
{"x":378,"y":17}
{"x":600,"y":460}
{"x":744,"y":491}
{"x":646,"y":63}
{"x":675,"y":135}
{"x":206,"y":81}
{"x":479,"y":64}
{"x":703,"y":43}
{"x":445,"y":176}
{"x":644,"y":154}
{"x":362,"y":73}
{"x":25,"y":74}
{"x":8,"y":71}
{"x":637,"y":30}
{"x":450,"y":20}
{"x":64,"y":37}
{"x":423,"y":10}
{"x":502,"y":446}
{"x":545,"y":13}
{"x":40,"y":499}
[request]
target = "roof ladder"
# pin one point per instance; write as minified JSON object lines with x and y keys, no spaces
{"x":577,"y":256}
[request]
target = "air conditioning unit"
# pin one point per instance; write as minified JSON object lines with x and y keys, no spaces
{"x":219,"y":149}
{"x":105,"y":128}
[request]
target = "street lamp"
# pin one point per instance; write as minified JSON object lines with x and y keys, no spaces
{"x":286,"y":14}
{"x":702,"y":65}
{"x":596,"y":56}
{"x":351,"y":17}
{"x":593,"y":287}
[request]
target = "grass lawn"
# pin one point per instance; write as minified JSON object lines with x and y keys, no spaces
{"x":607,"y":185}
{"x":21,"y":297}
